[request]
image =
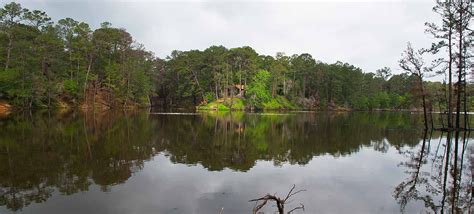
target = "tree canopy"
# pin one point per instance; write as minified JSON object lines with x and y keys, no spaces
{"x":47,"y":64}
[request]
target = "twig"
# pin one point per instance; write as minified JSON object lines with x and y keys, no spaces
{"x":280,"y":203}
{"x":297,"y":208}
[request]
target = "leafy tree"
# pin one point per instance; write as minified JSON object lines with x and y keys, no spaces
{"x":302,"y":67}
{"x":383,"y":73}
{"x":259,"y":88}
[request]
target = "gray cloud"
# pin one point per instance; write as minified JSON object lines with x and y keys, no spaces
{"x":370,"y":34}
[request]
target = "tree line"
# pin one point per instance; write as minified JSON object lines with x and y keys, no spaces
{"x":47,"y":64}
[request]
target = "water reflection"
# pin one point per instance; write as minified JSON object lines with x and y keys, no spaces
{"x":440,"y":174}
{"x":237,"y":140}
{"x":43,"y":153}
{"x":46,"y":154}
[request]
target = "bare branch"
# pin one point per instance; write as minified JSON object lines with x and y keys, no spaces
{"x":289,"y":193}
{"x":280,"y":203}
{"x":296,"y":208}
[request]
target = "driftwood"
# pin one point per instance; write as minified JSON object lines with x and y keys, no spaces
{"x":280,"y":202}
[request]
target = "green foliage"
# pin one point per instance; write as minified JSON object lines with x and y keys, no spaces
{"x":71,"y":87}
{"x":272,"y":104}
{"x":235,"y":103}
{"x":67,"y":61}
{"x":224,"y":105}
{"x":8,"y":84}
{"x":141,"y":87}
{"x":361,"y":103}
{"x":278,"y":102}
{"x":382,"y":99}
{"x":46,"y":62}
{"x":214,"y":106}
{"x":258,"y":91}
{"x":114,"y":78}
{"x":209,"y":96}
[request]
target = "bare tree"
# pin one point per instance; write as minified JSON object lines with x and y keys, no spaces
{"x":280,"y":202}
{"x":413,"y":63}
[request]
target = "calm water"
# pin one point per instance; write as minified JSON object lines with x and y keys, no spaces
{"x":205,"y":162}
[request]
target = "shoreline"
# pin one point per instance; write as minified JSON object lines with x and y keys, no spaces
{"x":7,"y":109}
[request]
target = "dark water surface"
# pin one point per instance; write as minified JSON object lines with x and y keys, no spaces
{"x":116,"y":162}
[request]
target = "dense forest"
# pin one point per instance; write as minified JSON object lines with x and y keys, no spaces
{"x":47,"y":64}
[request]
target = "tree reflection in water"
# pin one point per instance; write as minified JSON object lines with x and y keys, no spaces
{"x":440,"y":173}
{"x":44,"y":154}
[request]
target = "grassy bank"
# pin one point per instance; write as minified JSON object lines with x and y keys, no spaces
{"x":223,"y":104}
{"x":227,"y":104}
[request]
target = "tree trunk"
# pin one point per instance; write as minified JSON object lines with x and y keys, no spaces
{"x":240,"y":83}
{"x":466,"y":116}
{"x":9,"y":50}
{"x":217,"y":92}
{"x":450,"y":67}
{"x":87,"y":77}
{"x":304,"y":88}
{"x":70,"y":62}
{"x":460,"y":59}
{"x":425,"y":114}
{"x":245,"y":86}
{"x":199,"y":85}
{"x":95,"y":92}
{"x":45,"y":71}
{"x":273,"y":89}
{"x":226,"y":86}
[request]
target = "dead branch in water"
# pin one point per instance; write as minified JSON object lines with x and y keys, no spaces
{"x":261,"y":202}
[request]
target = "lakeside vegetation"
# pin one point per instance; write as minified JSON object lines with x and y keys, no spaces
{"x":67,"y":63}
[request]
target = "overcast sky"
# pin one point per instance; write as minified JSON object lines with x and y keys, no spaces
{"x":367,"y":34}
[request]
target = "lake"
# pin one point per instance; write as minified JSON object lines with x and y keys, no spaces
{"x":215,"y":162}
